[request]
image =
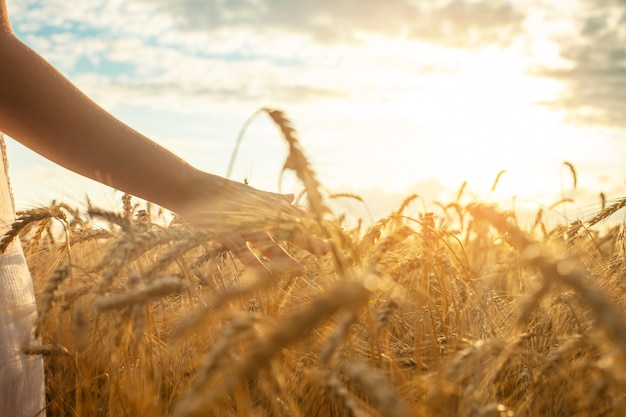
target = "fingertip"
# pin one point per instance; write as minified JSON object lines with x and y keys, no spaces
{"x":311,"y":244}
{"x":288,"y":197}
{"x":321,"y":247}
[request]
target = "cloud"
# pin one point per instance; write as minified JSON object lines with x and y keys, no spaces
{"x":145,"y":91}
{"x":456,"y":23}
{"x":301,"y":51}
{"x":595,"y":74}
{"x":150,"y":51}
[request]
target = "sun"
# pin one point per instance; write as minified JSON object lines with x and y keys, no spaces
{"x":480,"y":119}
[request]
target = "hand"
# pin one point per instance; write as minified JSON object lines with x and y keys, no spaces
{"x":241,"y":215}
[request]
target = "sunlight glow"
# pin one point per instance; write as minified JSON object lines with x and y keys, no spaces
{"x":379,"y":103}
{"x":465,"y":121}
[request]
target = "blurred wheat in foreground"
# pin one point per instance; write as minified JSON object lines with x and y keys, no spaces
{"x":456,"y":312}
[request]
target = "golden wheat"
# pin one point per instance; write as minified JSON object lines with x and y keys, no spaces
{"x":457,"y":311}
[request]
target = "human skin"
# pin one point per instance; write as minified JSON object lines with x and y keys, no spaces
{"x":45,"y":112}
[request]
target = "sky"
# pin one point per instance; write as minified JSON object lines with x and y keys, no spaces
{"x":389,"y":97}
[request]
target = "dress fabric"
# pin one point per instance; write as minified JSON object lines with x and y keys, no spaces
{"x":22,"y":392}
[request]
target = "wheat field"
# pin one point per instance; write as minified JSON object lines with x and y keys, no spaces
{"x":457,"y":311}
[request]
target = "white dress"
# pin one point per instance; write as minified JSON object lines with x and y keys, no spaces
{"x":22,"y":392}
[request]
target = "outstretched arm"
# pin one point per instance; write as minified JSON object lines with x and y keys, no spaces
{"x":44,"y":111}
{"x":41,"y":109}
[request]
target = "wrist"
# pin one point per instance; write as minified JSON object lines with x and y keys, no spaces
{"x":194,"y":187}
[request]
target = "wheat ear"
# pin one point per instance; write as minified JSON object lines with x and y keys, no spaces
{"x":348,"y":295}
{"x":297,"y":162}
{"x":27,"y":218}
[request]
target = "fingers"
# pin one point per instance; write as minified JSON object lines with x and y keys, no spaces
{"x":309,"y":243}
{"x":280,"y":260}
{"x":237,"y":245}
{"x":234,"y":198}
{"x":263,"y":194}
{"x":286,"y":197}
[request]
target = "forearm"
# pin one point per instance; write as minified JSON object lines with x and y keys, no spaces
{"x":45,"y":112}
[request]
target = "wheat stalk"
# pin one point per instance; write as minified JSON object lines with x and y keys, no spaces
{"x":114,"y":218}
{"x":297,"y":162}
{"x":142,"y":294}
{"x":341,"y":329}
{"x":348,"y":404}
{"x":238,"y":329}
{"x":47,"y":298}
{"x":347,"y":296}
{"x":26,"y":218}
{"x":563,"y":271}
{"x":378,"y":388}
